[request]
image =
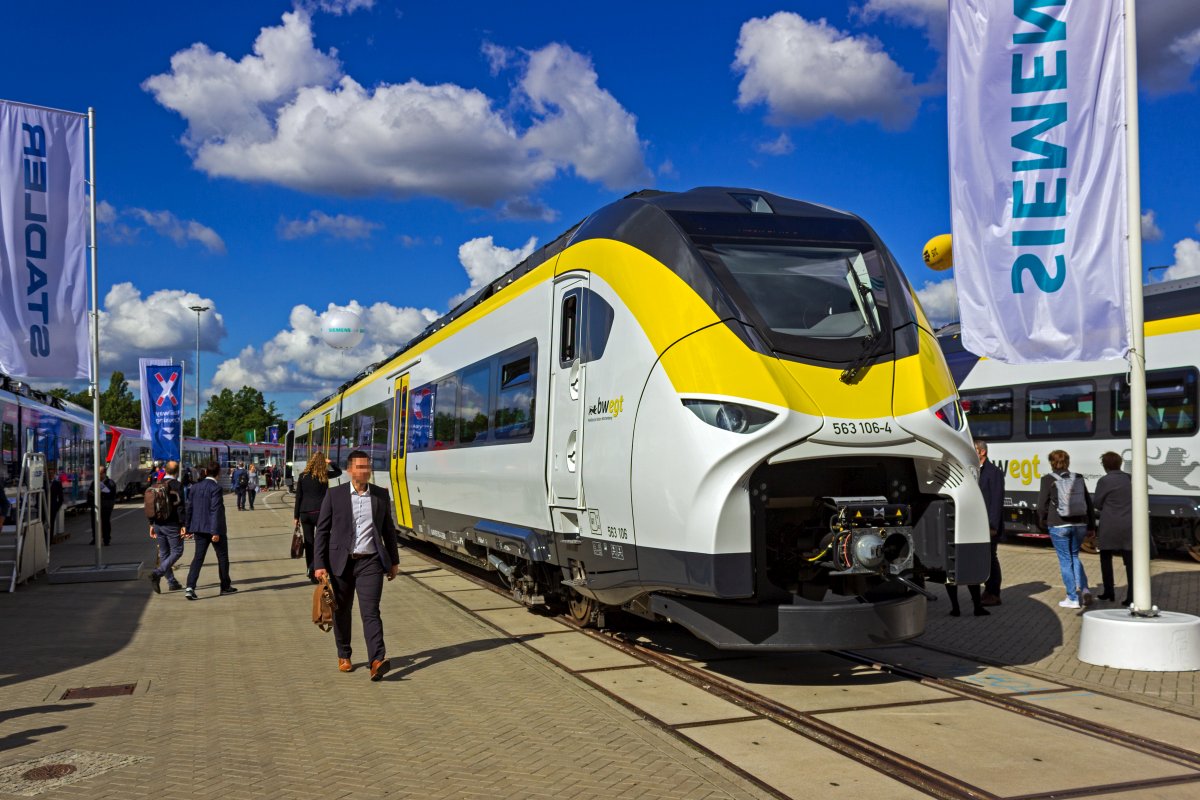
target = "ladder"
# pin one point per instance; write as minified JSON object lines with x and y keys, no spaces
{"x":29,"y":519}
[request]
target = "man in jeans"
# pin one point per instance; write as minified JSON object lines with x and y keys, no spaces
{"x":1067,"y":526}
{"x":167,"y":532}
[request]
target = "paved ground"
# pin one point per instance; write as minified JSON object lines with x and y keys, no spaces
{"x":1030,"y":631}
{"x":238,"y":696}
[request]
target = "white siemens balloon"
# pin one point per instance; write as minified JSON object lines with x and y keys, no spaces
{"x":342,"y":329}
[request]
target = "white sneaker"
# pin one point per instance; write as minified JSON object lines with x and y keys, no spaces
{"x":1069,"y":603}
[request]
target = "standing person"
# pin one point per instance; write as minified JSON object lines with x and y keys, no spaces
{"x":240,"y":480}
{"x":310,"y":491}
{"x":991,"y":484}
{"x":108,"y":499}
{"x":206,"y":524}
{"x":167,"y":532}
{"x":1114,"y":501}
{"x":251,"y":484}
{"x":356,"y":545}
{"x":56,"y":498}
{"x":1065,"y":510}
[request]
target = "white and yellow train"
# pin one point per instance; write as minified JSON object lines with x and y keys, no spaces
{"x":720,"y":407}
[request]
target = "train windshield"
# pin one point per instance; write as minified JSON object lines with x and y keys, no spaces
{"x":813,"y":292}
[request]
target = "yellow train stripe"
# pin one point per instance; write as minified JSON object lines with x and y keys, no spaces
{"x":1160,"y":327}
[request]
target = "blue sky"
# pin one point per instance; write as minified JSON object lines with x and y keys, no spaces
{"x":271,"y":159}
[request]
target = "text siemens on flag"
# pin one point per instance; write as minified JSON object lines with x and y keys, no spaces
{"x":1037,"y":178}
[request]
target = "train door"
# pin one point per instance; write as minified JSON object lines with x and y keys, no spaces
{"x":567,"y":394}
{"x":400,"y":451}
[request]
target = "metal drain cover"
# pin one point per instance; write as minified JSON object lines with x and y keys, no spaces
{"x":90,"y":692}
{"x":48,"y":772}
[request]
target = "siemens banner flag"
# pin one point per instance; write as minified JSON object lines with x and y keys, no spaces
{"x":1037,"y":178}
{"x":43,"y":243}
{"x":162,"y":409}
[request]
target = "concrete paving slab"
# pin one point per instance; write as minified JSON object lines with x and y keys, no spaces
{"x":577,"y":651}
{"x":1151,"y":723}
{"x":794,"y":765}
{"x":1003,"y":681}
{"x":946,"y":665}
{"x":450,"y":583}
{"x":482,"y":599}
{"x":1001,"y":752}
{"x":665,"y":697}
{"x":521,"y":621}
{"x":1179,"y":791}
{"x":826,"y":683}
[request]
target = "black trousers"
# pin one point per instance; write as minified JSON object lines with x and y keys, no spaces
{"x":203,"y":540}
{"x":992,"y":584}
{"x":363,"y":576}
{"x":1106,"y":571}
{"x":308,"y":524}
{"x":241,"y":498}
{"x":105,"y":524}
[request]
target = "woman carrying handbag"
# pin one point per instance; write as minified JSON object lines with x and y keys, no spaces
{"x":310,"y":491}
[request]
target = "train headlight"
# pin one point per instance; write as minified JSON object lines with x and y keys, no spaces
{"x":951,"y":414}
{"x":729,"y":416}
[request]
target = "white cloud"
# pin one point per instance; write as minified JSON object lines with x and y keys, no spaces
{"x":340,"y":226}
{"x":106,"y":214}
{"x":1150,"y":230}
{"x":779,"y":146}
{"x":939,"y":301}
{"x":667,"y":169}
{"x":930,"y":15}
{"x":527,"y":208}
{"x":287,"y":114}
{"x":484,"y":260}
{"x":180,"y":231}
{"x":804,"y":71}
{"x":1168,"y":45}
{"x":297,"y":360}
{"x":339,"y":7}
{"x":162,"y":324}
{"x":1187,"y":260}
{"x":498,"y":57}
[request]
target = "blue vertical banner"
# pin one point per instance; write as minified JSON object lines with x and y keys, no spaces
{"x":162,"y":409}
{"x":273,"y":434}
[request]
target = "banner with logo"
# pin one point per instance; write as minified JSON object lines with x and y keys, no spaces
{"x":1037,"y":178}
{"x":162,"y":408}
{"x":273,"y":434}
{"x":43,"y":243}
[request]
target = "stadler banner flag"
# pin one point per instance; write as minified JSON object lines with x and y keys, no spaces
{"x":1037,"y":178}
{"x":43,"y":243}
{"x":162,"y":408}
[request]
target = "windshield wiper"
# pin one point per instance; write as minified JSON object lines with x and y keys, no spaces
{"x":872,"y":345}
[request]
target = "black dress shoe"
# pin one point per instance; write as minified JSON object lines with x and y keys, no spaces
{"x":156,"y":582}
{"x":230,"y":590}
{"x":1106,"y":596}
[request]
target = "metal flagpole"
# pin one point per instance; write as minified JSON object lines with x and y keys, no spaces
{"x":96,"y":431}
{"x":1137,"y":354}
{"x":182,"y":409}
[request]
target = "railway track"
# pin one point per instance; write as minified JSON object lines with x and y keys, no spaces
{"x":863,"y":750}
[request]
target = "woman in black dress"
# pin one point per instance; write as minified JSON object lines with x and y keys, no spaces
{"x":310,"y":491}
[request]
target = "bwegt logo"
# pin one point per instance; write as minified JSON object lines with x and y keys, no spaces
{"x":607,"y":408}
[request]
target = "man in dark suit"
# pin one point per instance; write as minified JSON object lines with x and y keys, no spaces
{"x":356,"y":545}
{"x":991,"y":484}
{"x":206,"y":525}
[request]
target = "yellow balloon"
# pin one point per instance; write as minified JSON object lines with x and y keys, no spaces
{"x":937,"y":254}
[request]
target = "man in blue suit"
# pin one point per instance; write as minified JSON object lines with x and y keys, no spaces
{"x":356,"y":545}
{"x":206,"y":524}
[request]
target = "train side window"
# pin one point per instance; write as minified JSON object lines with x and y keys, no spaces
{"x":568,"y":333}
{"x":515,"y":399}
{"x":1171,"y":403}
{"x":989,"y":413}
{"x":1060,"y":410}
{"x":445,"y":412}
{"x":474,"y":402}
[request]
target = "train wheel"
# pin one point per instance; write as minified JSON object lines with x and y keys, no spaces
{"x":584,"y":610}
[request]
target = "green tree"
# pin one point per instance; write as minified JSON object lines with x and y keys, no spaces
{"x":80,"y":398}
{"x":118,"y":405}
{"x":229,"y":415}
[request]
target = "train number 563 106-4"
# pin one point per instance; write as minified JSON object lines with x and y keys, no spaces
{"x":863,"y":427}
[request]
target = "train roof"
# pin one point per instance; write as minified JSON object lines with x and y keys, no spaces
{"x":19,"y":387}
{"x":627,"y":217}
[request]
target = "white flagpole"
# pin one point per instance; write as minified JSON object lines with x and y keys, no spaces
{"x":97,"y":432}
{"x":182,"y":409}
{"x":1142,"y":605}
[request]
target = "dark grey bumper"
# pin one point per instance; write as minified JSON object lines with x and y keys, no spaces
{"x":807,"y":626}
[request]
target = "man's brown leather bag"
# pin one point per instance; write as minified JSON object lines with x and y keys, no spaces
{"x":324,"y":604}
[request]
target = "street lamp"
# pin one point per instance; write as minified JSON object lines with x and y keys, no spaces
{"x":199,"y":310}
